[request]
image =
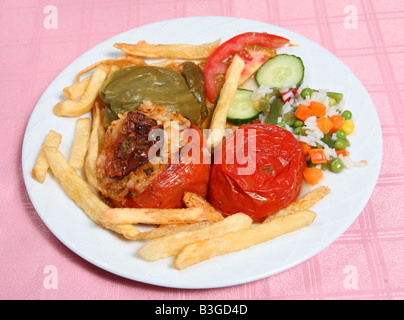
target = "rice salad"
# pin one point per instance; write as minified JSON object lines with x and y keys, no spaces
{"x":330,"y":141}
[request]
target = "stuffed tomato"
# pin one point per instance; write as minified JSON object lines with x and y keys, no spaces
{"x":275,"y":181}
{"x":141,"y":163}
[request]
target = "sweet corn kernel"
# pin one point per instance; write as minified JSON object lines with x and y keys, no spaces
{"x":348,"y":126}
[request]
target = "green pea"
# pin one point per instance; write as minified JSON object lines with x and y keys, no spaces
{"x":336,"y":165}
{"x":297,"y":130}
{"x":306,"y":93}
{"x":335,"y":95}
{"x":341,"y":134}
{"x":332,"y":102}
{"x":289,"y":118}
{"x":303,"y":132}
{"x":281,"y":124}
{"x":328,"y":140}
{"x":290,"y":122}
{"x":347,"y":115}
{"x":299,"y":123}
{"x":325,"y":166}
{"x":340,"y":144}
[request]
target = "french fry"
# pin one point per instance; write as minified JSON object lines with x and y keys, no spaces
{"x":304,"y":203}
{"x":173,"y":51}
{"x":95,"y":144}
{"x":81,"y":193}
{"x":80,"y":143}
{"x":123,"y":61}
{"x":119,"y":216}
{"x":168,"y":229}
{"x":113,"y":69}
{"x":72,"y":108}
{"x":171,"y":245}
{"x":53,"y":139}
{"x":218,"y":122}
{"x":163,"y":64}
{"x":193,"y":200}
{"x":310,"y":199}
{"x":243,"y":239}
{"x":76,"y":90}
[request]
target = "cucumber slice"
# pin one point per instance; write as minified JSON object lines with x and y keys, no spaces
{"x":280,"y":70}
{"x":243,"y":109}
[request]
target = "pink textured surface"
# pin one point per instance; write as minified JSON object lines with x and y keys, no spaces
{"x":366,"y":262}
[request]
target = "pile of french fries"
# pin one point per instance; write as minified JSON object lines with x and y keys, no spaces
{"x":191,"y":234}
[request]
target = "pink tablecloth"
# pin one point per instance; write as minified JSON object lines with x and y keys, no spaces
{"x":366,"y":262}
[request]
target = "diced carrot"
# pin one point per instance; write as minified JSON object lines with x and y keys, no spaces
{"x":317,"y":109}
{"x":312,"y":175}
{"x":324,"y":124}
{"x":344,"y":153}
{"x":337,"y":122}
{"x":303,"y":112}
{"x":305,"y":148}
{"x":317,"y":156}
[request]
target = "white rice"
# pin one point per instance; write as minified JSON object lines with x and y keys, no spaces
{"x":314,"y":134}
{"x":288,"y":107}
{"x":261,"y":92}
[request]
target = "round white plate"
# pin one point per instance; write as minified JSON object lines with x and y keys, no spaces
{"x":351,"y":189}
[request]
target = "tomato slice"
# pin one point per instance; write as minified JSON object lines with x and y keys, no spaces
{"x":253,"y":47}
{"x":256,"y":57}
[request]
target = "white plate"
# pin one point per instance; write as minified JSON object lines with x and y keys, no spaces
{"x":351,"y":189}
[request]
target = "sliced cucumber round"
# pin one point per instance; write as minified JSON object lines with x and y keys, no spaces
{"x":243,"y":109}
{"x":280,"y":70}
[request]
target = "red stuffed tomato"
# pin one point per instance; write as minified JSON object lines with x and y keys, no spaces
{"x":275,"y":181}
{"x":128,"y":174}
{"x":253,"y":47}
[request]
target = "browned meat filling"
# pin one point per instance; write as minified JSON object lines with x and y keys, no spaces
{"x":130,"y":147}
{"x":120,"y":176}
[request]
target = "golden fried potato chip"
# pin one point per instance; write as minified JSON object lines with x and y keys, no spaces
{"x":123,"y":61}
{"x":168,"y":229}
{"x":72,"y":108}
{"x":171,"y":245}
{"x":219,"y":117}
{"x":81,"y":193}
{"x":310,"y":199}
{"x":173,"y":51}
{"x":193,"y":200}
{"x":155,"y":216}
{"x":53,"y":139}
{"x":243,"y":239}
{"x":76,"y":90}
{"x":304,"y":203}
{"x":80,"y":143}
{"x":163,"y":64}
{"x":95,"y":145}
